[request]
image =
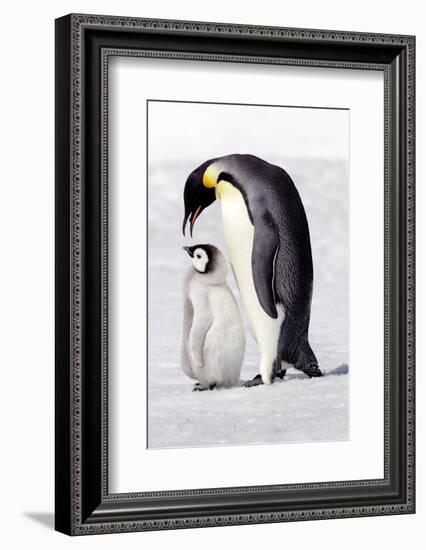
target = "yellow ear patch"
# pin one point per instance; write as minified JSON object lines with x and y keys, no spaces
{"x":210,"y":176}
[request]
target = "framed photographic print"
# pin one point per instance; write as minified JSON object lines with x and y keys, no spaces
{"x":234,"y":274}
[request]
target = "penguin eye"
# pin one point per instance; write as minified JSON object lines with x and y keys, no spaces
{"x":198,"y":255}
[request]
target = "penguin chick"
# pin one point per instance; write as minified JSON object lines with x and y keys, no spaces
{"x":213,"y":336}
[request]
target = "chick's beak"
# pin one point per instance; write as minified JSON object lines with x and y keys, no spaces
{"x":188,"y":250}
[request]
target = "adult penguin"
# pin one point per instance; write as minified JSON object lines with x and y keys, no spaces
{"x":267,"y":237}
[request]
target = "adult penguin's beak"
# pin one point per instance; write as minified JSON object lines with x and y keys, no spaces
{"x":189,"y":250}
{"x":191,"y":217}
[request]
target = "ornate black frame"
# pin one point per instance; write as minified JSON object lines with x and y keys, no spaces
{"x":83,"y":45}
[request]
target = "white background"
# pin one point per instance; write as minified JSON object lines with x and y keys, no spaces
{"x":131,"y":81}
{"x":27,"y":272}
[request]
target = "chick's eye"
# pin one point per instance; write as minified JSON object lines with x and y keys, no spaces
{"x":198,"y":255}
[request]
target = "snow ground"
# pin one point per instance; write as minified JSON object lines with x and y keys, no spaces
{"x":296,"y":409}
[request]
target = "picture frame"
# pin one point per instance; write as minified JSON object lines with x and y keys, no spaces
{"x":83,"y":503}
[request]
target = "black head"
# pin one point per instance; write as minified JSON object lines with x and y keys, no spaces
{"x":197,"y":196}
{"x":203,"y":257}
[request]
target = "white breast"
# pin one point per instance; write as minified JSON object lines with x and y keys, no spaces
{"x":239,"y":234}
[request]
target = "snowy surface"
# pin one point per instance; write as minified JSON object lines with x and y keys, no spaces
{"x":296,"y":409}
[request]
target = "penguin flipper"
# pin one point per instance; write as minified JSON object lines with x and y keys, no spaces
{"x":188,"y":315}
{"x":265,"y":246}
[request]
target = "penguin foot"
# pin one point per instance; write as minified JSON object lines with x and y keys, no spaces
{"x":281,"y":374}
{"x":277,"y":371}
{"x":200,"y":387}
{"x":256,"y":381}
{"x":310,"y":369}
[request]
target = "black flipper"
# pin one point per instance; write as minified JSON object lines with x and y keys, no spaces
{"x":265,"y":245}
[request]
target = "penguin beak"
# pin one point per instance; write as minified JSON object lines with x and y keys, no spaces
{"x":188,"y":250}
{"x":192,"y":218}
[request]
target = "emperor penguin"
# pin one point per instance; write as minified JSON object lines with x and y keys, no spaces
{"x":213,"y":342}
{"x":267,"y":237}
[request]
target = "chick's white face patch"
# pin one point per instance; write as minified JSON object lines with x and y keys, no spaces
{"x":200,"y":260}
